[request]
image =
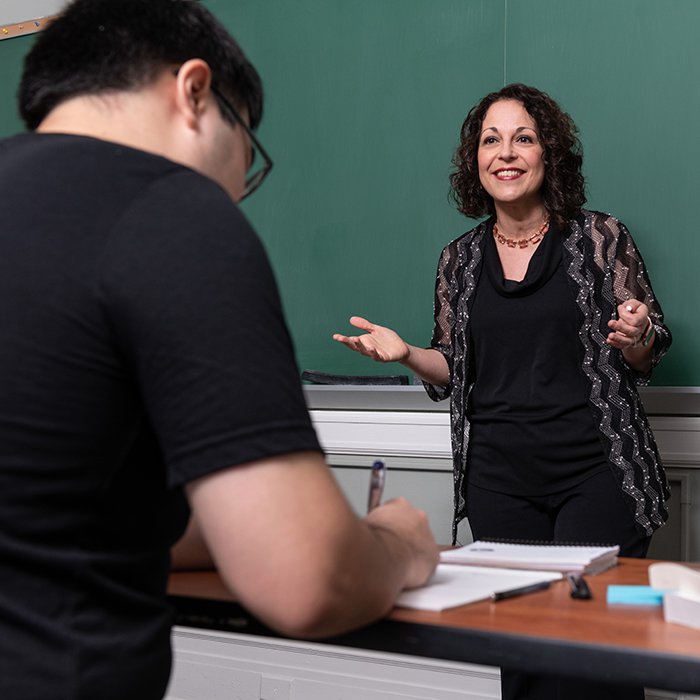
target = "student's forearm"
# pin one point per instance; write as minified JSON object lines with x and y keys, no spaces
{"x":353,"y":581}
{"x":288,"y":545}
{"x":361,"y":588}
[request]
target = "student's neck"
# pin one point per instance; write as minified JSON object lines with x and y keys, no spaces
{"x":126,"y":119}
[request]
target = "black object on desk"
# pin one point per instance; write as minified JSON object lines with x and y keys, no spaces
{"x":515,"y":592}
{"x":579,"y":587}
{"x":354,"y":380}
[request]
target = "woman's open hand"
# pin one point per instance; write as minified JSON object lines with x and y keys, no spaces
{"x":379,"y":343}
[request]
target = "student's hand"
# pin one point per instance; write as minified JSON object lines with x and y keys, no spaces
{"x":413,"y":537}
{"x":380,"y":343}
{"x":631,"y":326}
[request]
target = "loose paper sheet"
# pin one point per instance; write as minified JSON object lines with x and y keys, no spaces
{"x":453,"y":585}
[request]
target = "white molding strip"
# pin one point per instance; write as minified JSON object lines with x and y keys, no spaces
{"x":387,"y":433}
{"x":416,"y":434}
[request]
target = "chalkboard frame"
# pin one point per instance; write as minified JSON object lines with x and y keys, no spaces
{"x":15,"y":12}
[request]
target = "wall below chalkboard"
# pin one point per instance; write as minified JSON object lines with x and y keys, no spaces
{"x":364,"y":105}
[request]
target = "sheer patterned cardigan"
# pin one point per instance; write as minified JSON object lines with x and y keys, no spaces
{"x":604,"y":269}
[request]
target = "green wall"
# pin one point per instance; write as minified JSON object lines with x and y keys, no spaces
{"x":364,"y":104}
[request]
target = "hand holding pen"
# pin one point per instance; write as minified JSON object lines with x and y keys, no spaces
{"x":409,"y":526}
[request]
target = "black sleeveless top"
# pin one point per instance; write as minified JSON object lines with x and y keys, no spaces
{"x":532,"y":432}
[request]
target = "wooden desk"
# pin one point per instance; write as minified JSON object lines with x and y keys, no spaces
{"x":545,"y":632}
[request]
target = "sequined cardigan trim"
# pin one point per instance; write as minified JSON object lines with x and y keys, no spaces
{"x":604,"y":269}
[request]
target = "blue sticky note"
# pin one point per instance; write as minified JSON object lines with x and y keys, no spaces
{"x":636,"y":595}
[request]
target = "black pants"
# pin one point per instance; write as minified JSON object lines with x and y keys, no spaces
{"x":593,"y":511}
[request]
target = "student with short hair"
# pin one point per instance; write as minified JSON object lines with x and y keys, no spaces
{"x":146,"y":369}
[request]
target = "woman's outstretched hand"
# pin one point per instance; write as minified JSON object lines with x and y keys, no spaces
{"x":379,"y":343}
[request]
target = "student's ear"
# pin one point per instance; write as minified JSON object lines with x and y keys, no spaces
{"x":193,"y":88}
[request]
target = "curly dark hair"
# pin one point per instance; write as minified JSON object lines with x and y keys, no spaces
{"x":563,"y":190}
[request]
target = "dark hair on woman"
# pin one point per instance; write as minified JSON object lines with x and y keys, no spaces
{"x":97,"y":46}
{"x":564,"y":188}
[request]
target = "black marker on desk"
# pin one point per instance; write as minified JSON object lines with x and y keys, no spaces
{"x":514,"y":592}
{"x":376,"y":484}
{"x":579,"y":587}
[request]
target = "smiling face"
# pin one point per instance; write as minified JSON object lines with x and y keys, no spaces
{"x":511,"y":162}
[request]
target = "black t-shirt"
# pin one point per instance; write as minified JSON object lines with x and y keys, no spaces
{"x":532,"y":431}
{"x":142,"y":345}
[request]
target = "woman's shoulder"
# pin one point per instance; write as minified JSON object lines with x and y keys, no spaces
{"x":601,"y":223}
{"x":466,"y":239}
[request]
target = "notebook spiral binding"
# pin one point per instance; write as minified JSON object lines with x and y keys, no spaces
{"x":545,"y":543}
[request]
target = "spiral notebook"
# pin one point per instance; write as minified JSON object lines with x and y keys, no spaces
{"x":541,"y":556}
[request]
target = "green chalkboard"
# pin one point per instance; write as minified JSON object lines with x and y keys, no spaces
{"x":625,"y":71}
{"x":366,"y":99}
{"x":12,"y":52}
{"x":364,"y":104}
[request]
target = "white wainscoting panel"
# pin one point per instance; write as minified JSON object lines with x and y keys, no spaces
{"x":678,"y":439}
{"x":210,"y":665}
{"x":388,"y":433}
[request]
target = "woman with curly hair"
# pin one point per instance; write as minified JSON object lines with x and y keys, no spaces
{"x":545,"y":322}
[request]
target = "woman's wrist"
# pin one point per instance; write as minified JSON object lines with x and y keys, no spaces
{"x":639,"y":355}
{"x":409,"y":359}
{"x":645,"y":336}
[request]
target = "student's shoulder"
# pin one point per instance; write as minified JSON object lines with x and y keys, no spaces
{"x":178,"y":220}
{"x":174,"y":195}
{"x":185,"y":190}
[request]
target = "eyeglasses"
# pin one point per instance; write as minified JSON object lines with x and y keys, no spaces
{"x":252,"y":182}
